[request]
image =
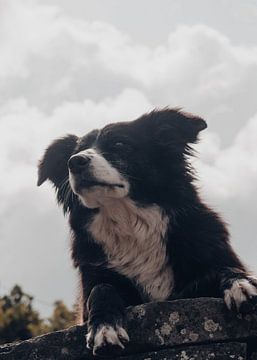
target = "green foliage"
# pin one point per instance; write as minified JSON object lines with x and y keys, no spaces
{"x":20,"y":321}
{"x":61,"y":318}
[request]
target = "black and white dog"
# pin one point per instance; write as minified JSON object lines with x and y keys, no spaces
{"x":140,"y":232}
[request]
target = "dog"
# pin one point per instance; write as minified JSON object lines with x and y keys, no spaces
{"x":140,"y":231}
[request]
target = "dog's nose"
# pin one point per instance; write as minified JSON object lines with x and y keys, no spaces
{"x":78,"y":163}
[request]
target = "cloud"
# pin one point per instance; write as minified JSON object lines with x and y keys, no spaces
{"x":52,"y":58}
{"x":229,"y":173}
{"x":26,"y":29}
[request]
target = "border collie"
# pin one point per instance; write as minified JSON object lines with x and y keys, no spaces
{"x":140,"y":232}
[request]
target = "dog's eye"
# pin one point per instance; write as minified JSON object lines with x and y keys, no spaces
{"x":119,"y":144}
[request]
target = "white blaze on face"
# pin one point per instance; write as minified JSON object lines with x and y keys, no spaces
{"x":100,"y":170}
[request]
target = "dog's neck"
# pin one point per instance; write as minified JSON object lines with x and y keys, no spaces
{"x":127,"y":214}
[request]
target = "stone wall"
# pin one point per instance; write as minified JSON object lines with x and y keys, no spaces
{"x":196,"y":329}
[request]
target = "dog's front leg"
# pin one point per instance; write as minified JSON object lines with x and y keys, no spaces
{"x":239,"y":290}
{"x":106,"y":321}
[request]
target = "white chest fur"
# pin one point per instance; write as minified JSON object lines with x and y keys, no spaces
{"x":133,"y":240}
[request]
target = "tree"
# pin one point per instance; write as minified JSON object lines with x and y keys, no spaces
{"x":62,"y":317}
{"x":17,"y":316}
{"x":20,"y":321}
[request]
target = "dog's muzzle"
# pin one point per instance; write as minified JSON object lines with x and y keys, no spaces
{"x":79,"y":166}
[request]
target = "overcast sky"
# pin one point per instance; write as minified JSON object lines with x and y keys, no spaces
{"x":71,"y":66}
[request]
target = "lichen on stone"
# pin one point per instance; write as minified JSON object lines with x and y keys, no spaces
{"x":183,"y":331}
{"x":166,"y":329}
{"x":211,"y":356}
{"x":158,"y":334}
{"x":184,"y":356}
{"x":193,"y":336}
{"x":174,"y":317}
{"x":137,"y":312}
{"x":211,"y":326}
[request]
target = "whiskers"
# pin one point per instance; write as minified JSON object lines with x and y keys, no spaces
{"x":65,"y":195}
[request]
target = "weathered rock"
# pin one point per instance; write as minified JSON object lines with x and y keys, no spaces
{"x":154,"y":326}
{"x":187,"y":321}
{"x":228,"y":351}
{"x":65,"y":344}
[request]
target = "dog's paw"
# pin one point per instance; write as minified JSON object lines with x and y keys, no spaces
{"x":242,"y":295}
{"x":107,"y":340}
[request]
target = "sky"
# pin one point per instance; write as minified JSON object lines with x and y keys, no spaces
{"x":72,"y":66}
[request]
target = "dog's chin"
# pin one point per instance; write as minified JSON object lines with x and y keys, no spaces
{"x":94,"y":193}
{"x":99,"y":196}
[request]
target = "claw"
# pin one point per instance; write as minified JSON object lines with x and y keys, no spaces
{"x":107,"y":340}
{"x":243,"y":294}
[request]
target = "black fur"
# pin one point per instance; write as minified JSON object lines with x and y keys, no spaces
{"x":153,"y":152}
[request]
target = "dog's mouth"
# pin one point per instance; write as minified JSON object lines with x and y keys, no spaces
{"x":95,"y":192}
{"x":82,"y":181}
{"x":91,"y":183}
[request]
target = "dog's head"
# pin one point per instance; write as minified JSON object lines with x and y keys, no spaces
{"x":143,"y":159}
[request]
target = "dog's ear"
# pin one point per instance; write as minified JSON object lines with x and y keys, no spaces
{"x":190,"y":125}
{"x":53,"y":165}
{"x":175,"y":127}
